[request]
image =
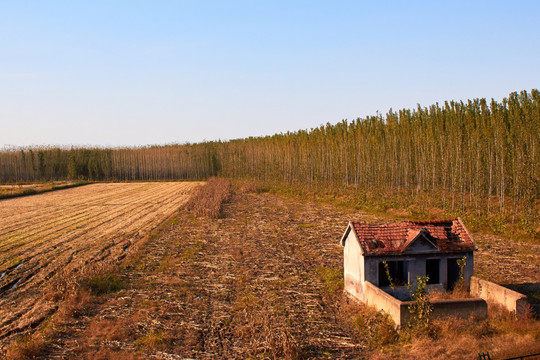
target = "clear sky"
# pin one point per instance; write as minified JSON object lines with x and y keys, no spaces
{"x":116,"y":73}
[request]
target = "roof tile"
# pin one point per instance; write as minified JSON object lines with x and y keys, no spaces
{"x":387,"y":239}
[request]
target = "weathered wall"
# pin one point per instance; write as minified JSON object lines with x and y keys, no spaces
{"x":415,"y":265}
{"x":383,"y":302}
{"x":353,"y":265}
{"x":399,"y":310}
{"x":372,"y":269}
{"x":462,"y":308}
{"x":510,"y":299}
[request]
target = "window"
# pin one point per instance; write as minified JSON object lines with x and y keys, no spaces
{"x":397,"y":273}
{"x":432,"y":270}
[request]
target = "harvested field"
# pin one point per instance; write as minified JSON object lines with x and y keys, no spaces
{"x":52,"y":239}
{"x":263,"y":281}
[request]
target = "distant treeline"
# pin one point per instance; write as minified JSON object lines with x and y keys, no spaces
{"x":476,"y":151}
{"x":178,"y":162}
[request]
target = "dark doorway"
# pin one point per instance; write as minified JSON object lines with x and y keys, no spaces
{"x":453,"y":273}
{"x":432,"y":270}
{"x":397,"y":273}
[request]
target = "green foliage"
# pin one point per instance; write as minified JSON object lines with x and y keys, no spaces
{"x":389,"y":277}
{"x":461,"y":263}
{"x":526,"y":225}
{"x":191,"y":251}
{"x":421,"y":308}
{"x":497,"y":224}
{"x":460,"y":285}
{"x":332,"y":278}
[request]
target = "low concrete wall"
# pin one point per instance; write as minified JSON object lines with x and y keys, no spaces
{"x":462,"y":308}
{"x":399,"y":310}
{"x":383,"y":301}
{"x":510,"y":299}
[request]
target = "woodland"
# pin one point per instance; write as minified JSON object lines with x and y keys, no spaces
{"x":474,"y":157}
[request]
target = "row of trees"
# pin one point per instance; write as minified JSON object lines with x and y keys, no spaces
{"x":478,"y":151}
{"x":146,"y":163}
{"x":466,"y":151}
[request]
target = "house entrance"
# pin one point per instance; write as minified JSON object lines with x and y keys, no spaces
{"x":432,"y":270}
{"x":453,"y":273}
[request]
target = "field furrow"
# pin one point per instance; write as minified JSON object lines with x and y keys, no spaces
{"x":50,"y":200}
{"x":78,"y":222}
{"x":58,"y":234}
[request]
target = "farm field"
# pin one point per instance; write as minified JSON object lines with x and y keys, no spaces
{"x":48,"y":241}
{"x":265,"y":281}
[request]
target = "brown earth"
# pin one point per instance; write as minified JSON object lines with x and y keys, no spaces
{"x":263,"y":281}
{"x":49,"y":240}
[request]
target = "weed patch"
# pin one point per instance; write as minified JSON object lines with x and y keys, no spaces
{"x":332,"y":278}
{"x":104,"y":284}
{"x":153,"y":340}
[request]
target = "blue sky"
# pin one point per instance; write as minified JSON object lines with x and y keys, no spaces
{"x":117,"y":73}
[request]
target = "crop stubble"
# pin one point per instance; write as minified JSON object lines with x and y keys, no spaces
{"x":59,"y":234}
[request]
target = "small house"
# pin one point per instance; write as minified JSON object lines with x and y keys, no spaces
{"x":395,"y":254}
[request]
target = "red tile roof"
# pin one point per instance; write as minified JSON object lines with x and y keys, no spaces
{"x":389,"y":239}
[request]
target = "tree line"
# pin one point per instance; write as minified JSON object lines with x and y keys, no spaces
{"x":181,"y":162}
{"x":478,"y":151}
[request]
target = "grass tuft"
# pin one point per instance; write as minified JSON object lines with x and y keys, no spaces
{"x":26,"y":347}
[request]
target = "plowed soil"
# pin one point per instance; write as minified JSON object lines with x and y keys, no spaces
{"x":55,"y":236}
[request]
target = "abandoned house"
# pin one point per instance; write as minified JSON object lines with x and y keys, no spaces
{"x":404,"y":251}
{"x":380,"y":260}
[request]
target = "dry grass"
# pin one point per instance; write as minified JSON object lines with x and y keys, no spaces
{"x":460,"y":292}
{"x":208,"y":199}
{"x":26,"y":347}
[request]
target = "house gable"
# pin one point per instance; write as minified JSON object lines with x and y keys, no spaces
{"x":420,"y":243}
{"x":345,"y":234}
{"x":350,"y":235}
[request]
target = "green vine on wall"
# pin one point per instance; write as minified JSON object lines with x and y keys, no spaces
{"x":387,"y":271}
{"x":421,"y":308}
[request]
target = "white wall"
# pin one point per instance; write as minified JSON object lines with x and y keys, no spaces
{"x":353,"y":266}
